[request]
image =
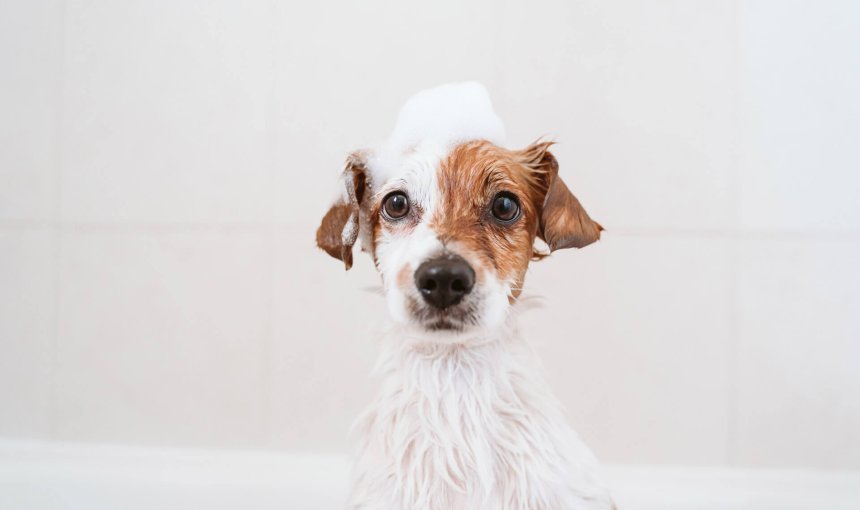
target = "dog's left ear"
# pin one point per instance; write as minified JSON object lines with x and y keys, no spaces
{"x":339,"y":228}
{"x":563,"y":221}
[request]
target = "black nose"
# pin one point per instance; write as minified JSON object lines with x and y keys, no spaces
{"x":445,"y":280}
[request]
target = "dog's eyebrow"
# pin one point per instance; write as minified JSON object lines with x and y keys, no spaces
{"x":496,"y":177}
{"x":500,"y":174}
{"x":398,"y":184}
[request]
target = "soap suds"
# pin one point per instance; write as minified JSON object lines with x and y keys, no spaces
{"x":441,"y":117}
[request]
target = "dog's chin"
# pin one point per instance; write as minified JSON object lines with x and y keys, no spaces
{"x":442,"y":322}
{"x":455,"y":319}
{"x":443,"y":325}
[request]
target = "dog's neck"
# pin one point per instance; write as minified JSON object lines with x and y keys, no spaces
{"x":411,"y":352}
{"x":479,"y":371}
{"x":463,"y":418}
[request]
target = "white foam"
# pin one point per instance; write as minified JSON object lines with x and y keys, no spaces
{"x":440,"y":117}
{"x":452,"y":113}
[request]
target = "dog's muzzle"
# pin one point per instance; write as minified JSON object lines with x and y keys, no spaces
{"x":444,"y":281}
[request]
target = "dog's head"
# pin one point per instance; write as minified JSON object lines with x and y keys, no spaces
{"x":451,"y":227}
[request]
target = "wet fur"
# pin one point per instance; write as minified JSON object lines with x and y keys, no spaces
{"x":464,"y":419}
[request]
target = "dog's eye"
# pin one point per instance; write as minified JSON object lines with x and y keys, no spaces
{"x":395,"y":205}
{"x":505,"y":208}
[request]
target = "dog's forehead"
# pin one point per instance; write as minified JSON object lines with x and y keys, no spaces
{"x":427,"y":165}
{"x":414,"y":171}
{"x":429,"y":126}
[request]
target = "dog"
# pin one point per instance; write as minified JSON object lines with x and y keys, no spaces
{"x":450,"y":218}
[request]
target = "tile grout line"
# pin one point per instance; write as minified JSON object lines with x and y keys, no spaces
{"x":734,"y":265}
{"x":267,"y":347}
{"x":56,"y":223}
{"x":733,"y":388}
{"x":741,"y":234}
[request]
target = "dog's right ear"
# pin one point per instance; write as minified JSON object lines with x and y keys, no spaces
{"x":563,"y":221}
{"x":339,"y":228}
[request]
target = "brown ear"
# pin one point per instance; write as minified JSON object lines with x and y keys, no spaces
{"x":563,"y":222}
{"x":339,"y":228}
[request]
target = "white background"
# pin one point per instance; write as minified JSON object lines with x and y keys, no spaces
{"x":163,"y":167}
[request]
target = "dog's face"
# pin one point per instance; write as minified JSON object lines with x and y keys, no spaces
{"x":452,"y":231}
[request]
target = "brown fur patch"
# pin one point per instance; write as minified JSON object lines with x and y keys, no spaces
{"x":331,"y":234}
{"x":404,"y":276}
{"x":469,"y":179}
{"x":565,"y":224}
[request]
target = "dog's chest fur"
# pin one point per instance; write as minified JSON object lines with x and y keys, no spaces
{"x":473,"y":428}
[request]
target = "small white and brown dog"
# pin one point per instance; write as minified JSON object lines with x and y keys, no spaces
{"x":450,"y":217}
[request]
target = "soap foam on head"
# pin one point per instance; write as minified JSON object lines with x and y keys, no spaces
{"x":441,"y":117}
{"x":448,"y":114}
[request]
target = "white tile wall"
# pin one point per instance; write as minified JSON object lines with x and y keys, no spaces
{"x":165,"y":111}
{"x":27,"y":311}
{"x":800,"y":352}
{"x":30,"y":51}
{"x":801,"y":118}
{"x":164,"y":166}
{"x":162,"y":336}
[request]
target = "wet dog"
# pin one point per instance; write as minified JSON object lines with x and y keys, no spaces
{"x":451,"y":218}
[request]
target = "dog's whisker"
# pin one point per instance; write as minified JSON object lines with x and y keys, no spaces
{"x":374,"y":289}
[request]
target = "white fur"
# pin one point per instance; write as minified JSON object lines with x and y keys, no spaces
{"x":463,"y":421}
{"x":468,"y":424}
{"x":416,"y":174}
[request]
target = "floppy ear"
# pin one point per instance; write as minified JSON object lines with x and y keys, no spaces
{"x":563,"y":221}
{"x":339,"y":228}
